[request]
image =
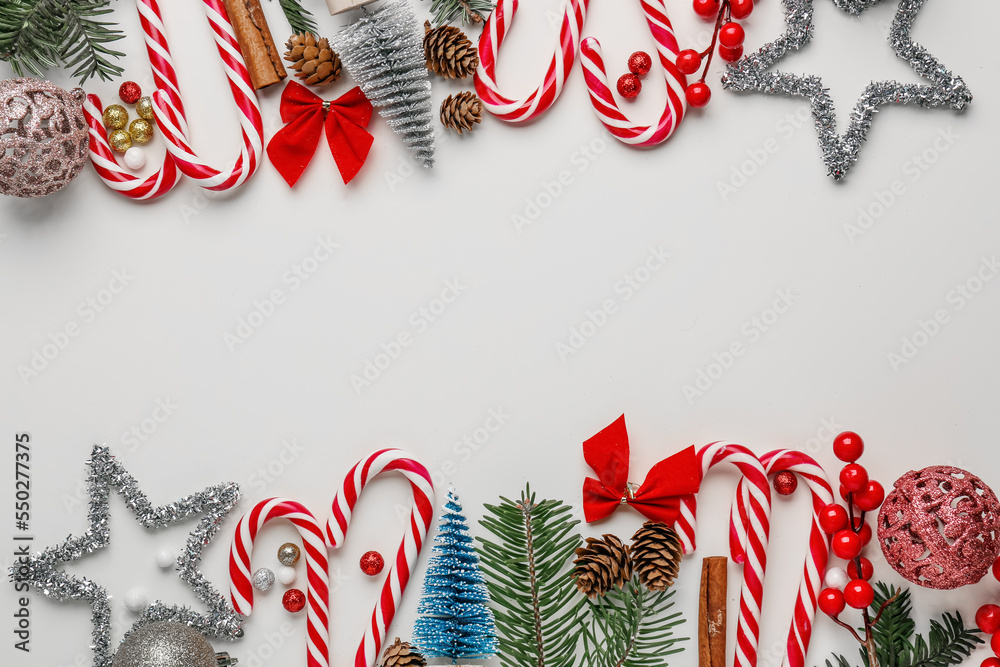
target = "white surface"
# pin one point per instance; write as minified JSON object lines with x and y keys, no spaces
{"x":151,"y":374}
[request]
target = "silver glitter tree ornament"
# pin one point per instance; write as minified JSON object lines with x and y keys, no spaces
{"x":42,"y":570}
{"x":751,"y":74}
{"x":168,"y":644}
{"x":383,"y":51}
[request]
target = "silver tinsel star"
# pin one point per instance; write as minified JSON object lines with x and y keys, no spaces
{"x":840,"y":152}
{"x":42,"y":571}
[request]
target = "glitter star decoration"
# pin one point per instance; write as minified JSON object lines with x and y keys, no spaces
{"x":752,"y":74}
{"x":42,"y":571}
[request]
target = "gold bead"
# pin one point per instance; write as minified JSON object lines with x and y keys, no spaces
{"x":120,"y":141}
{"x":115,"y":117}
{"x":141,"y":130}
{"x":144,"y":107}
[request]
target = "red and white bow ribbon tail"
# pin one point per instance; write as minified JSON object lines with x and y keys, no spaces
{"x":608,"y":111}
{"x":748,"y":536}
{"x":317,"y":565}
{"x":421,"y":515}
{"x":535,"y":104}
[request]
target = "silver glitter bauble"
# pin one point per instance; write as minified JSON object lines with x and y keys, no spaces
{"x":167,"y":644}
{"x":288,"y":554}
{"x":262,"y":579}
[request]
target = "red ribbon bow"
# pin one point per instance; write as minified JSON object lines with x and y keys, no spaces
{"x":345,"y":120}
{"x":657,"y":498}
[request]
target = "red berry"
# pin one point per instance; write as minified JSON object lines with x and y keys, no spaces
{"x":730,"y":55}
{"x":988,"y":618}
{"x":688,"y":61}
{"x":832,"y":518}
{"x":996,"y":569}
{"x":639,"y":63}
{"x":706,"y":9}
{"x":858,"y":594}
{"x":372,"y":563}
{"x":846,"y":545}
{"x":831,"y":602}
{"x":870,"y":497}
{"x":990,"y":662}
{"x":698,"y":94}
{"x":848,"y":446}
{"x":854,"y":477}
{"x":629,"y":85}
{"x":863,"y":530}
{"x":130,"y":92}
{"x":731,"y":35}
{"x":844,"y":493}
{"x":293,"y":600}
{"x":995,"y":643}
{"x":785,"y":483}
{"x":740,"y":9}
{"x":866,"y":569}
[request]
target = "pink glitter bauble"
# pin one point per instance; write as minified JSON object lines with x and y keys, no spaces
{"x":940,"y":527}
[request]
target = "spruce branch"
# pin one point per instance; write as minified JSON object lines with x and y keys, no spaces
{"x":471,"y":11}
{"x":299,"y":18}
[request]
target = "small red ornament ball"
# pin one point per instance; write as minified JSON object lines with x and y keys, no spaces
{"x":785,"y":483}
{"x":698,"y":94}
{"x":130,"y":92}
{"x":740,"y":9}
{"x":864,"y":530}
{"x":996,"y":569}
{"x":293,"y":600}
{"x":866,"y":569}
{"x":832,"y":518}
{"x":848,"y":446}
{"x":688,"y":61}
{"x":706,"y":9}
{"x":846,"y":545}
{"x":870,"y":498}
{"x":988,"y":618}
{"x":995,"y":643}
{"x":629,"y":86}
{"x":831,"y":602}
{"x":639,"y":63}
{"x":372,"y":563}
{"x":730,"y":55}
{"x":990,"y":662}
{"x":854,"y":477}
{"x":731,"y":35}
{"x":858,"y":594}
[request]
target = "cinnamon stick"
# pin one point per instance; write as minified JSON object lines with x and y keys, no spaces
{"x":256,"y":44}
{"x":712,"y":612}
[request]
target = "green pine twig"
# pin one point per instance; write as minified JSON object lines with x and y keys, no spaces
{"x":471,"y":11}
{"x":299,"y":18}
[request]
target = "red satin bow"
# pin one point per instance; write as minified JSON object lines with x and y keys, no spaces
{"x":345,"y":119}
{"x":658,"y":498}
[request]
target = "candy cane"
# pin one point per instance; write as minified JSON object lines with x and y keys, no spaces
{"x":748,"y":533}
{"x":241,"y":590}
{"x":170,"y":116}
{"x":409,"y":549}
{"x":535,"y":104}
{"x":595,"y":74}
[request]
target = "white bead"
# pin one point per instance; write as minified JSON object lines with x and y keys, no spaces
{"x":136,"y":600}
{"x":135,"y":158}
{"x":286,"y":575}
{"x":166,"y":558}
{"x":836,"y":577}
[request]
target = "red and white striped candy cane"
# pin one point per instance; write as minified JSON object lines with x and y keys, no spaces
{"x":170,"y":116}
{"x":385,"y":460}
{"x":535,"y":104}
{"x":317,"y":564}
{"x":595,"y":74}
{"x":747,"y":538}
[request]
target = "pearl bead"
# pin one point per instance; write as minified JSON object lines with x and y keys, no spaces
{"x":136,"y":600}
{"x":135,"y":158}
{"x":286,"y":575}
{"x":165,"y":558}
{"x":836,"y":577}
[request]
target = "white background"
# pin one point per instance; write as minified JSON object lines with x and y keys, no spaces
{"x":198,"y":263}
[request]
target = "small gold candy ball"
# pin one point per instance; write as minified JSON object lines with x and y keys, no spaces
{"x":115,"y":117}
{"x":120,"y":141}
{"x":144,"y":107}
{"x":288,"y":554}
{"x":141,"y":130}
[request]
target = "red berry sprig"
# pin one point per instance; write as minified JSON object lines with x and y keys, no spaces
{"x":728,"y":35}
{"x":988,"y":621}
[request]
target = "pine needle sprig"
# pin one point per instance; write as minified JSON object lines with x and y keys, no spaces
{"x":86,"y":39}
{"x":470,"y":11}
{"x":299,"y":18}
{"x":896,"y":627}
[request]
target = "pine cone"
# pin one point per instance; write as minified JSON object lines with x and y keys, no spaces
{"x":656,"y":555}
{"x":402,"y":654}
{"x":461,"y":112}
{"x":313,"y":59}
{"x":449,"y":52}
{"x":600,"y":565}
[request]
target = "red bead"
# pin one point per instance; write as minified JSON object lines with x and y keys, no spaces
{"x":730,"y":55}
{"x":831,"y":602}
{"x":372,"y":563}
{"x":848,"y":446}
{"x":870,"y":498}
{"x":785,"y":483}
{"x":995,"y":643}
{"x":988,"y":618}
{"x":832,"y":518}
{"x":846,"y":545}
{"x":854,"y":477}
{"x":866,"y":569}
{"x":293,"y":600}
{"x":996,"y":569}
{"x":990,"y":662}
{"x":858,"y":594}
{"x":698,"y":94}
{"x":740,"y":9}
{"x":844,"y":493}
{"x":731,"y":35}
{"x":706,"y":9}
{"x":639,"y":63}
{"x":629,"y":85}
{"x":863,"y":530}
{"x":688,"y":61}
{"x":130,"y":92}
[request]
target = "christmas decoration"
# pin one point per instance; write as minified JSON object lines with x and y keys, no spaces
{"x":448,"y":52}
{"x":785,"y":483}
{"x":341,"y":6}
{"x":166,"y":559}
{"x":343,"y":121}
{"x":136,"y":600}
{"x":727,"y":34}
{"x":988,"y":618}
{"x":42,"y":571}
{"x":371,"y":563}
{"x":253,"y":36}
{"x":656,"y":555}
{"x":755,"y":73}
{"x":382,"y":51}
{"x":712,"y":623}
{"x":262,"y":579}
{"x":135,"y":158}
{"x":120,"y":141}
{"x":168,"y":644}
{"x":639,"y":63}
{"x":115,"y":117}
{"x":299,"y":18}
{"x":525,"y":563}
{"x":657,"y":498}
{"x":461,"y":112}
{"x":940,"y":527}
{"x":312,"y":59}
{"x":293,"y":600}
{"x":402,"y":654}
{"x":286,"y":575}
{"x":43,"y":137}
{"x":601,"y":565}
{"x":454,"y":619}
{"x":289,"y":553}
{"x":129,"y":92}
{"x":140,"y":130}
{"x":836,"y":578}
{"x":144,"y":108}
{"x":470,"y":11}
{"x":629,"y":86}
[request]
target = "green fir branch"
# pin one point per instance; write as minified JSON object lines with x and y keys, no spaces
{"x":86,"y":38}
{"x":299,"y":18}
{"x":27,"y":30}
{"x":895,"y":629}
{"x":470,"y":11}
